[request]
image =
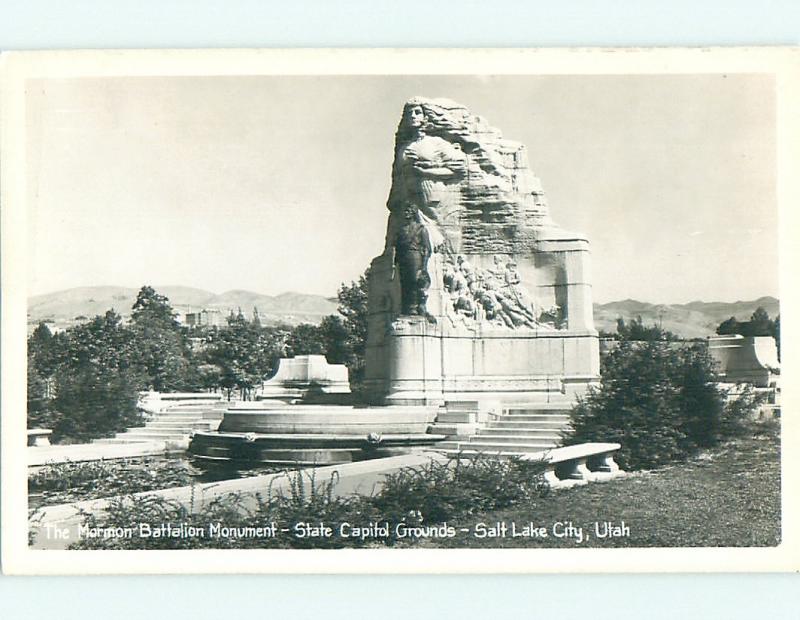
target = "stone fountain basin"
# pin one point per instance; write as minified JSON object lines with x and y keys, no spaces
{"x":316,"y":435}
{"x":327,"y":420}
{"x":303,"y":449}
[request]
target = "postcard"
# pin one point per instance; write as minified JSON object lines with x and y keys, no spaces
{"x":399,"y":311}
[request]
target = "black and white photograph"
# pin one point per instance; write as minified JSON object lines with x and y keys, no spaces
{"x":373,"y":303}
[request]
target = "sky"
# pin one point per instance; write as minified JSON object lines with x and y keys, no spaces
{"x":279,"y":183}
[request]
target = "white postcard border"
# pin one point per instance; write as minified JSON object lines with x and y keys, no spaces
{"x":17,"y":68}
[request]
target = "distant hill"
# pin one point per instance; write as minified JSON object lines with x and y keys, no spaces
{"x":68,"y":305}
{"x":692,"y":320}
{"x":696,"y":319}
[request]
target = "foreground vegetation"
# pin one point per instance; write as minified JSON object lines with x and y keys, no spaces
{"x":69,"y":482}
{"x":62,"y":483}
{"x":726,"y":496}
{"x":420,"y":499}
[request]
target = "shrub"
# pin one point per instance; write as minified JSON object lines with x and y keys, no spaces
{"x":307,"y":500}
{"x":312,"y":501}
{"x":660,"y":402}
{"x":737,"y":416}
{"x":433,"y":493}
{"x":61,"y":483}
{"x":438,"y":492}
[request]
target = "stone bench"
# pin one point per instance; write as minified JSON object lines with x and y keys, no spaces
{"x":39,"y":437}
{"x":578,"y":464}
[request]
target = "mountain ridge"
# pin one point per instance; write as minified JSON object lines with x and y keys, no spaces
{"x":694,"y":319}
{"x":88,"y":301}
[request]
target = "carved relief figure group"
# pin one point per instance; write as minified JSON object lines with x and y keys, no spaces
{"x":494,"y":295}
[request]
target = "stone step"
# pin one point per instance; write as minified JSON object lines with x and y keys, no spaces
{"x":213,"y":415}
{"x":509,"y":424}
{"x":181,"y":424}
{"x":167,"y":423}
{"x":156,"y":429}
{"x":119,"y":440}
{"x":502,"y":455}
{"x":511,"y":432}
{"x":448,"y":445}
{"x":183,"y":428}
{"x":516,"y":439}
{"x":451,"y":417}
{"x":461,"y":405}
{"x":562,"y":408}
{"x":151,"y":436}
{"x":534,"y":417}
{"x":492,"y":447}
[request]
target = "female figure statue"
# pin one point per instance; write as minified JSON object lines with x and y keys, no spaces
{"x":427,"y":172}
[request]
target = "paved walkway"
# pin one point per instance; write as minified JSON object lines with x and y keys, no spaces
{"x":92,"y":452}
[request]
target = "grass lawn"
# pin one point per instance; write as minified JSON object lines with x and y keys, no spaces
{"x":725,"y":497}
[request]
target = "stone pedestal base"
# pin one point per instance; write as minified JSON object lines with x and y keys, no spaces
{"x":429,"y":363}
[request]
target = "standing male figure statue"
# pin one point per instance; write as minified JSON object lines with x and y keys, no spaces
{"x":412,"y":251}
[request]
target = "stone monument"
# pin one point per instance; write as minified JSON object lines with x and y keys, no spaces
{"x":478,"y":294}
{"x":297,"y":377}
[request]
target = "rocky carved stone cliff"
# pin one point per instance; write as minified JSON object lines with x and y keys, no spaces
{"x":475,"y":185}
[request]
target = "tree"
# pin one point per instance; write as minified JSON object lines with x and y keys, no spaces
{"x":759,"y":324}
{"x":337,"y":342}
{"x":637,"y":331}
{"x":40,"y":411}
{"x":162,"y":345}
{"x":45,"y":351}
{"x":306,"y":339}
{"x":243,"y":353}
{"x":353,"y":308}
{"x":728,"y":327}
{"x":98,"y":381}
{"x":150,"y":306}
{"x":659,"y":402}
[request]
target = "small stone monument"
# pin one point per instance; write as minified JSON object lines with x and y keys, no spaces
{"x":478,"y":294}
{"x":743,"y":359}
{"x":297,"y":376}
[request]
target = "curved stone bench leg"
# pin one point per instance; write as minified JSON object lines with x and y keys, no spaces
{"x":551,"y":478}
{"x":607,"y":468}
{"x":577,"y":475}
{"x":608,"y":464}
{"x":581,"y":473}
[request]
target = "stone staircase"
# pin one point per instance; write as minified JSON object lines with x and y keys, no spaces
{"x":173,"y":424}
{"x":516,"y":430}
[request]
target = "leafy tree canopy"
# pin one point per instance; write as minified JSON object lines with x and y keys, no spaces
{"x":636,"y":330}
{"x":151,"y":306}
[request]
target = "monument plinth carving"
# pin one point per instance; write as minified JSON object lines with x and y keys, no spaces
{"x":478,"y":293}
